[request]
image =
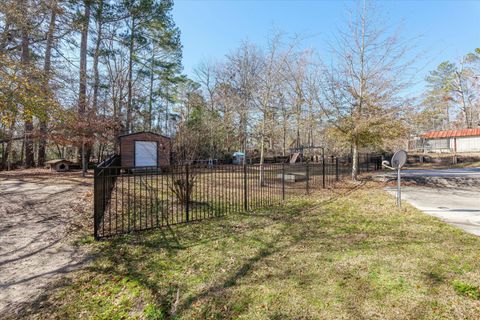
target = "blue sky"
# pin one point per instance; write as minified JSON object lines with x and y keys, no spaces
{"x":443,"y":30}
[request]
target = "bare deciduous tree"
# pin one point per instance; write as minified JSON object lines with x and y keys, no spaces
{"x":362,"y":91}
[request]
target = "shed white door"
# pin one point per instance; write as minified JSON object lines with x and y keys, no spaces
{"x":145,"y":153}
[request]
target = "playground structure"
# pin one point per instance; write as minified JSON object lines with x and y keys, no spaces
{"x":306,"y":153}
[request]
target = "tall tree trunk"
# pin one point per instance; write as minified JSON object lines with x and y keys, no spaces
{"x":96,"y":74}
{"x":82,"y":94}
{"x":167,"y":112}
{"x":358,"y":110}
{"x":2,"y":164}
{"x":262,"y":153}
{"x":8,"y":148}
{"x":130,"y":76}
{"x":96,"y":57}
{"x":311,"y":125}
{"x":297,"y":120}
{"x":355,"y":161}
{"x":46,"y":70}
{"x":117,"y":112}
{"x":243,"y":129}
{"x":150,"y":94}
{"x":28,"y":118}
{"x":8,"y":156}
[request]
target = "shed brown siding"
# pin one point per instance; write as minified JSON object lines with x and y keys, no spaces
{"x":127,"y":148}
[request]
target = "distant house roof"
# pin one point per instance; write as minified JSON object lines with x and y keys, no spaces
{"x":451,"y":133}
{"x":140,"y":132}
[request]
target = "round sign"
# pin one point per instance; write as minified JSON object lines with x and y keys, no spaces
{"x":399,"y":159}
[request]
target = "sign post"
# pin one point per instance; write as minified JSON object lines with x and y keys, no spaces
{"x":398,"y":161}
{"x":399,"y":189}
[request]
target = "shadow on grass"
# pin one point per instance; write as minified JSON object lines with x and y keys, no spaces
{"x":175,"y":240}
{"x":165,"y":262}
{"x":134,"y":256}
{"x":220,"y":288}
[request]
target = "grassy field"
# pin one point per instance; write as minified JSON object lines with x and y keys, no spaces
{"x":341,"y":254}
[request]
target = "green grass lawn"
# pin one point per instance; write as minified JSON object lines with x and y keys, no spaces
{"x":342,"y":254}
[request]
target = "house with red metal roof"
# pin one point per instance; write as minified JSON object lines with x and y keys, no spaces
{"x":461,"y":140}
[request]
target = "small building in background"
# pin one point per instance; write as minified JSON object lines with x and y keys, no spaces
{"x":462,"y":140}
{"x":144,"y":149}
{"x":238,"y":158}
{"x":59,"y":165}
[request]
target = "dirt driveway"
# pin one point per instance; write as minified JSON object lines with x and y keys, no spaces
{"x":40,"y":212}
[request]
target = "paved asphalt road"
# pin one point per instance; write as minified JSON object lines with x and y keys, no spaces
{"x":458,"y":206}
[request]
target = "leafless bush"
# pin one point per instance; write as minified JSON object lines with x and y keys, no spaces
{"x":183,"y":187}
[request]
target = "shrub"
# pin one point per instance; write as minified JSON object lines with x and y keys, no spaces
{"x":181,"y":188}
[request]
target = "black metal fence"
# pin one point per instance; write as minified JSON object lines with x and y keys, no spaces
{"x":132,"y":199}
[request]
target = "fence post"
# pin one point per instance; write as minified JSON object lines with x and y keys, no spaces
{"x":245,"y":196}
{"x":283,"y":181}
{"x":336,"y":169}
{"x":187,"y":193}
{"x":358,"y":163}
{"x":95,"y":203}
{"x":307,"y":169}
{"x":323,"y":172}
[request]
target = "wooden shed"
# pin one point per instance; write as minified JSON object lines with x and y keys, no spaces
{"x":144,"y":149}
